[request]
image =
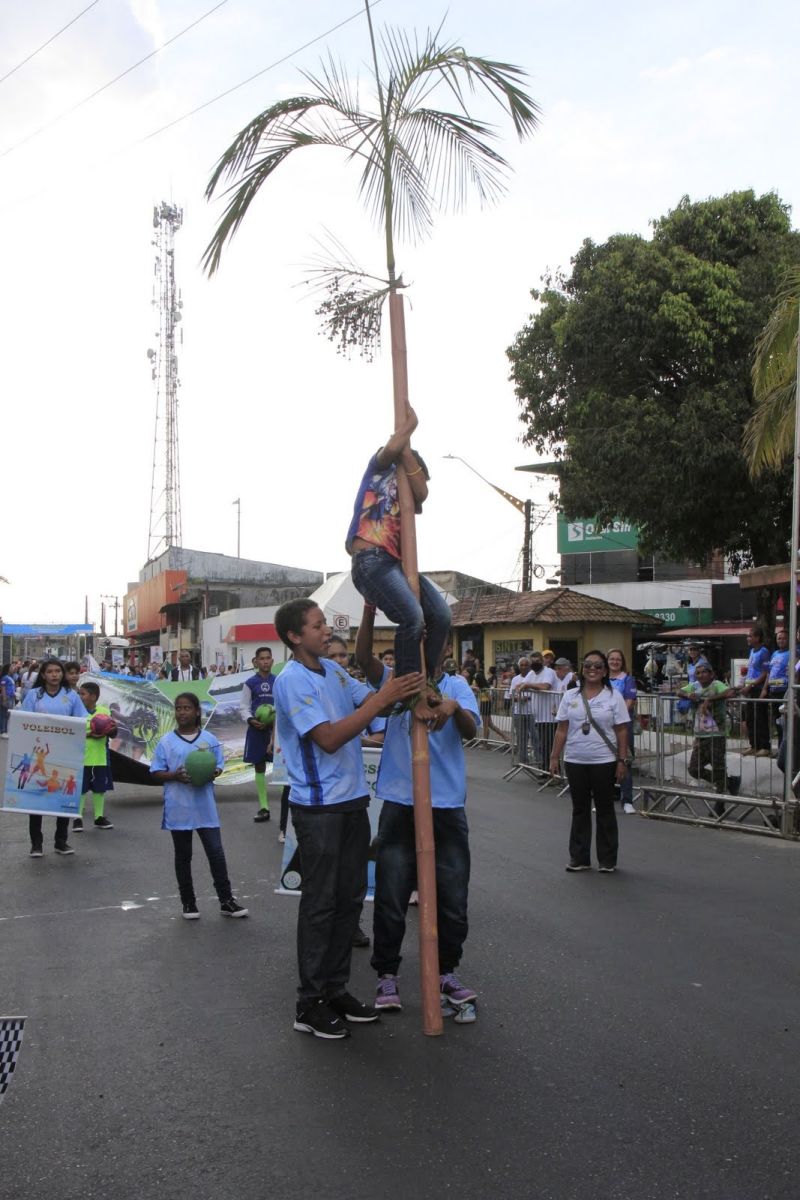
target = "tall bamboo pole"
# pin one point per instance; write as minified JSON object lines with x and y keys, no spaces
{"x":420,"y":759}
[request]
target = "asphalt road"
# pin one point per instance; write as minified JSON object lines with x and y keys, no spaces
{"x":635,"y":1036}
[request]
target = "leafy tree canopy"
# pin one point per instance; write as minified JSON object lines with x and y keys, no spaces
{"x":636,"y":373}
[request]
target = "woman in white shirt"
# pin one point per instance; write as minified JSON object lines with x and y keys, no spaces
{"x":592,"y":732}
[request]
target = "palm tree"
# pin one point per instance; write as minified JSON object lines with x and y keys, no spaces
{"x":414,"y":160}
{"x":769,"y":434}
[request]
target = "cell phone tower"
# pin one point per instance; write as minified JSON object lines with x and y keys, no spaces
{"x":165,"y":489}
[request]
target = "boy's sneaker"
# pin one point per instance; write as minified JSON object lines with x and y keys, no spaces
{"x":190,"y":912}
{"x":576,"y":866}
{"x":628,"y":807}
{"x":231,"y":909}
{"x":606,"y":870}
{"x":452,"y":990}
{"x":387,"y":996}
{"x":77,"y":825}
{"x":320,"y":1020}
{"x":37,"y":850}
{"x":103,"y":823}
{"x":63,"y":848}
{"x":262,"y":815}
{"x":351,"y":1009}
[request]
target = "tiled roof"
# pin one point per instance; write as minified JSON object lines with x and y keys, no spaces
{"x":554,"y":606}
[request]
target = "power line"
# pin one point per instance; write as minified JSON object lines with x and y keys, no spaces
{"x":278,"y":62}
{"x":147,"y":137}
{"x":69,"y":111}
{"x":33,"y":53}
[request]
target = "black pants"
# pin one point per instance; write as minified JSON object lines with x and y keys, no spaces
{"x":593,"y":783}
{"x":211,"y":840}
{"x":284,"y":821}
{"x":757,"y":717}
{"x":396,"y":878}
{"x":333,"y":854}
{"x":546,"y":731}
{"x":35,"y":830}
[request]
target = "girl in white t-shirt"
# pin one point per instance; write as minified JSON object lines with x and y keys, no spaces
{"x":592,"y":732}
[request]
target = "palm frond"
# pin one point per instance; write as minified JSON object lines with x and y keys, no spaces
{"x":454,"y":155}
{"x":411,"y":201}
{"x":769,"y":434}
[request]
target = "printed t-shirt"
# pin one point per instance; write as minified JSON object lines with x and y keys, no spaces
{"x":778,"y":678}
{"x":185,"y":806}
{"x":448,"y":771}
{"x":65,"y":703}
{"x":257,"y":690}
{"x":376,"y":513}
{"x":305,"y":699}
{"x":607,"y":708}
{"x":626,"y":686}
{"x":96,"y":752}
{"x":757,"y":663}
{"x":714,"y":722}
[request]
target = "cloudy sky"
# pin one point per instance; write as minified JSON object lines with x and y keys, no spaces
{"x":641,"y":104}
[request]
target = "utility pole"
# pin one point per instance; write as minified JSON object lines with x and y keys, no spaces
{"x":115,"y":607}
{"x":165,"y":487}
{"x":238,"y":504}
{"x":526,"y":508}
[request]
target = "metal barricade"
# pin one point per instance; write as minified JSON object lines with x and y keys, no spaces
{"x":495,"y":732}
{"x":532,"y":719}
{"x":694,"y":772}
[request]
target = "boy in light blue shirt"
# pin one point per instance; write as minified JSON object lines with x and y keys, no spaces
{"x":457,"y":717}
{"x":321,"y":711}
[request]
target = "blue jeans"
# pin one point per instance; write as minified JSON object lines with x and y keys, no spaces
{"x":396,"y":878}
{"x":211,"y":840}
{"x":379,"y":578}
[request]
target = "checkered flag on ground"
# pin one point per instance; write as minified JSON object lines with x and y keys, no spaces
{"x":10,"y":1041}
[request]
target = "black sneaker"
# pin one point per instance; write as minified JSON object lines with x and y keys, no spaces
{"x":320,"y":1020}
{"x":37,"y":850}
{"x":103,"y":823}
{"x":360,"y":939}
{"x":231,"y":909}
{"x":63,"y":848}
{"x":576,"y":866}
{"x":606,"y":870}
{"x":262,"y":815}
{"x":190,"y":912}
{"x":77,"y":825}
{"x":351,"y":1009}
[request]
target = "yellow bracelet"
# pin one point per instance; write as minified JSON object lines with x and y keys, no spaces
{"x":410,"y":473}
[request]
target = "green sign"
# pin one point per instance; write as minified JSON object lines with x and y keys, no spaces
{"x":588,"y":536}
{"x":681,"y":618}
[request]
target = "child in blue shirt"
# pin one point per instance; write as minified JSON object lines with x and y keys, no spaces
{"x":50,"y":694}
{"x":321,"y":712}
{"x":258,"y":690}
{"x":188,"y":807}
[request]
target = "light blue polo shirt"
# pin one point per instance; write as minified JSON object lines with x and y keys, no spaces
{"x":303,"y":700}
{"x":448,"y":770}
{"x":186,"y":806}
{"x":65,"y":703}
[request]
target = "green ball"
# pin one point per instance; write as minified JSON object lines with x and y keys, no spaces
{"x":265,"y":713}
{"x":201,"y":766}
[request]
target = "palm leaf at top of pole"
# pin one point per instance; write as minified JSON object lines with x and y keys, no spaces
{"x":769,"y":434}
{"x":435,"y":157}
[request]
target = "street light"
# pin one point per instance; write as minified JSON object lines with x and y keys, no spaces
{"x":177,"y":588}
{"x":523,"y":506}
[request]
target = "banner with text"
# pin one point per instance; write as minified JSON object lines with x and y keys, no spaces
{"x":587,"y":535}
{"x":44,"y":766}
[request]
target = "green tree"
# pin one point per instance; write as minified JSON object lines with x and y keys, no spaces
{"x":414,"y":159}
{"x":769,"y":434}
{"x":635,"y":373}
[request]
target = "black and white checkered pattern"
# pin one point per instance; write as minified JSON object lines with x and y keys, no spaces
{"x":10,"y":1041}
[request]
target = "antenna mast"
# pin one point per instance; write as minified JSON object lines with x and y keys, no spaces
{"x":165,"y":489}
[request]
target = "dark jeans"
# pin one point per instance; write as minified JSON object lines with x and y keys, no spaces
{"x":592,"y":783}
{"x":4,"y":711}
{"x":545,"y":733}
{"x":756,"y":713}
{"x":211,"y":840}
{"x":523,"y":733}
{"x":396,"y":878}
{"x":709,"y":751}
{"x":35,"y":830}
{"x":379,"y":578}
{"x":333,"y":855}
{"x":284,"y":821}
